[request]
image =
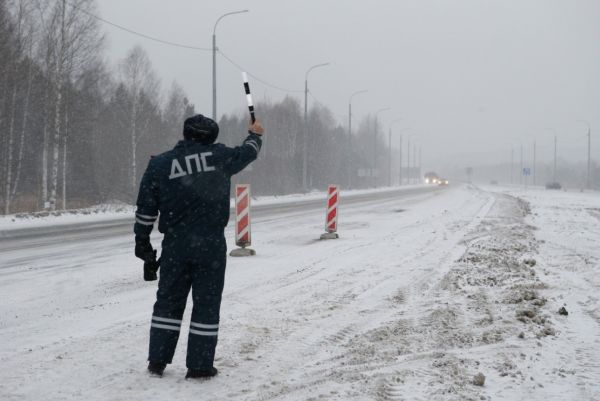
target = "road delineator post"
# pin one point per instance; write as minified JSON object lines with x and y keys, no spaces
{"x":331,"y":214}
{"x":242,"y":221}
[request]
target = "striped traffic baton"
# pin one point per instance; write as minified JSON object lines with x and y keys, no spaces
{"x":248,"y":97}
{"x":242,"y":221}
{"x":331,"y":215}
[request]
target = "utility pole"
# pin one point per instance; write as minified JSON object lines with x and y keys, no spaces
{"x":414,"y":156}
{"x":214,"y":62}
{"x":214,"y":75}
{"x":589,"y":184}
{"x":400,"y":162}
{"x":420,"y":163}
{"x":521,"y":170}
{"x":305,"y":141}
{"x":373,"y":177}
{"x":534,"y":161}
{"x":350,"y":135}
{"x":375,"y":144}
{"x":408,"y":161}
{"x":512,"y":164}
{"x":349,"y":161}
{"x":588,"y":180}
{"x":554,"y":179}
{"x":390,"y":158}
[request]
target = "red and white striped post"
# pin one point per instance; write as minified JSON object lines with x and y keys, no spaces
{"x":242,"y":221}
{"x":331,"y":216}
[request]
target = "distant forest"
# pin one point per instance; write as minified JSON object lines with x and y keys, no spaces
{"x":75,"y":132}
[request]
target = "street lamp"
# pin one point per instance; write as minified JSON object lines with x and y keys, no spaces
{"x":305,"y":144}
{"x":555,"y":152}
{"x":408,"y":158}
{"x":512,"y":159}
{"x":375,"y":141}
{"x":512,"y":163}
{"x":534,"y":169}
{"x":400,"y":155}
{"x":588,"y":178}
{"x":350,"y":134}
{"x":390,"y":150}
{"x":214,"y":66}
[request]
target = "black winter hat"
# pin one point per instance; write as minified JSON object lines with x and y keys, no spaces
{"x":200,"y":129}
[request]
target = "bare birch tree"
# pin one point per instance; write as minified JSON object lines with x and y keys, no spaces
{"x":23,"y":38}
{"x":72,"y":42}
{"x":140,"y":80}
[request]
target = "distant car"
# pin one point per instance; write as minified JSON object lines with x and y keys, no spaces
{"x":443,"y":181}
{"x":494,"y":182}
{"x":553,"y":185}
{"x":432,"y":178}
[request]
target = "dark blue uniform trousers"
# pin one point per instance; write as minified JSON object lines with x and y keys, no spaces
{"x":196,"y":262}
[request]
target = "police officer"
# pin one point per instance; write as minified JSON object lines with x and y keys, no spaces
{"x":189,"y":188}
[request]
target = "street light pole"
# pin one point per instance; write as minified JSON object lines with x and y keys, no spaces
{"x":589,"y":154}
{"x":521,"y":170}
{"x":408,"y":160}
{"x":533,"y":168}
{"x":400,"y":162}
{"x":554,"y":179}
{"x":350,"y":134}
{"x":555,"y":152}
{"x":305,"y":142}
{"x":408,"y":168}
{"x":420,"y":164}
{"x":214,"y":61}
{"x":512,"y":164}
{"x":375,"y":142}
{"x":589,"y":176}
{"x":534,"y":161}
{"x":414,"y":157}
{"x":400,"y":177}
{"x":390,"y":153}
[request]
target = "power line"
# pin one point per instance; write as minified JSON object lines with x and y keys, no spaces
{"x":239,"y":67}
{"x":143,"y":35}
{"x":169,"y":43}
{"x":189,"y":47}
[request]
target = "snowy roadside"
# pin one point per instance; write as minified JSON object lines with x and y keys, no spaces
{"x":23,"y":223}
{"x":566,"y":364}
{"x":418,"y":296}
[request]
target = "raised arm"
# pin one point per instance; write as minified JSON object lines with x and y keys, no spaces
{"x":245,"y":154}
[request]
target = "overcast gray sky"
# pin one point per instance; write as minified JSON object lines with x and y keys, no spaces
{"x":471,"y":77}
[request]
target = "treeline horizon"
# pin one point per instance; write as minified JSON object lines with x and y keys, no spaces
{"x":76,"y":132}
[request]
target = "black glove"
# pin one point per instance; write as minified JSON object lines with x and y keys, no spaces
{"x":144,"y":251}
{"x":151,"y":267}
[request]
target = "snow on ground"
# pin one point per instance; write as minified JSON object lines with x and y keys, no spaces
{"x":100,"y":213}
{"x":10,"y":224}
{"x":419,"y":295}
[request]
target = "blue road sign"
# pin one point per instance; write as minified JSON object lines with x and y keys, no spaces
{"x":526,"y":171}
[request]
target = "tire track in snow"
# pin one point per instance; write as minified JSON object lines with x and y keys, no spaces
{"x":448,"y":330}
{"x":383,"y":313}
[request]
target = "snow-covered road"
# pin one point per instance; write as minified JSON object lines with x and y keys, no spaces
{"x":419,"y":294}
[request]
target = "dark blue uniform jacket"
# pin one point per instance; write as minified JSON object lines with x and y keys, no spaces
{"x":189,"y":186}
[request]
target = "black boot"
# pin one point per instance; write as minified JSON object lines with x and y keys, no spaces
{"x":201,"y":373}
{"x":156,"y":368}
